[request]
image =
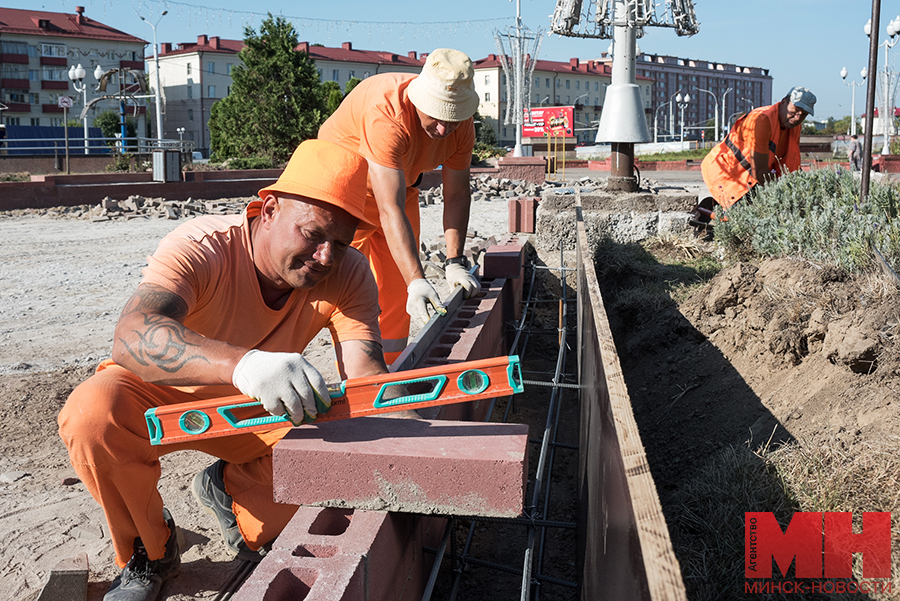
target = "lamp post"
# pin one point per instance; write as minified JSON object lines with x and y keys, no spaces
{"x":682,"y":102}
{"x":159,"y":131}
{"x":725,"y":125}
{"x":671,"y":115}
{"x":77,"y":75}
{"x":656,"y":122}
{"x":546,"y":98}
{"x":715,"y":110}
{"x":853,"y":85}
{"x":888,"y":93}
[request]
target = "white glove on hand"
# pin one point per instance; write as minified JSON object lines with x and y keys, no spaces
{"x":421,"y":292}
{"x":285,"y":383}
{"x":457,"y":275}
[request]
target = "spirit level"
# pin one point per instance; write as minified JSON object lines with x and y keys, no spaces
{"x":357,"y":397}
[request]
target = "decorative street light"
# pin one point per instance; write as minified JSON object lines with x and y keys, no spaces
{"x":656,"y":122}
{"x":159,"y":129}
{"x":887,"y":88}
{"x":77,"y":75}
{"x":180,"y":131}
{"x":853,"y":85}
{"x":682,"y":102}
{"x":715,"y":110}
{"x":725,"y":127}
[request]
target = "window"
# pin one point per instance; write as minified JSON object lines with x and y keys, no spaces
{"x":578,"y":85}
{"x":190,"y":114}
{"x":190,"y":91}
{"x":228,"y":91}
{"x":211,"y":91}
{"x":53,"y":50}
{"x":211,"y":67}
{"x":335,"y":75}
{"x":320,"y":74}
{"x":487,"y":96}
{"x":56,"y":122}
{"x":537,"y":82}
{"x":351,"y":75}
{"x":15,"y":96}
{"x":568,"y":100}
{"x":33,"y":75}
{"x":547,"y":81}
{"x":365,"y":74}
{"x":567,"y":84}
{"x":55,"y":74}
{"x":189,"y":68}
{"x":34,"y":98}
{"x":36,"y":121}
{"x":228,"y":68}
{"x":14,"y":48}
{"x":11,"y":120}
{"x":596,"y":86}
{"x":487,"y":78}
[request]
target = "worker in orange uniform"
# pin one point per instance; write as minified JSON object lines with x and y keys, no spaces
{"x":406,"y":125}
{"x":226,"y":305}
{"x":761,"y":146}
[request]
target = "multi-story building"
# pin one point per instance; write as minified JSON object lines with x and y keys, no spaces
{"x":193,"y":76}
{"x":721,"y":89}
{"x":344,"y":63}
{"x":38,"y":48}
{"x":577,"y":83}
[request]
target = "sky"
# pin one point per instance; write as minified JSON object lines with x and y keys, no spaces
{"x":800,"y":42}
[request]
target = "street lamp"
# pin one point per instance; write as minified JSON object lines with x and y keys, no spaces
{"x":159,"y":131}
{"x":888,"y":94}
{"x":77,"y":75}
{"x":656,"y":122}
{"x":682,"y":102}
{"x":853,"y":85}
{"x":671,"y":116}
{"x":715,"y":109}
{"x":546,"y":98}
{"x":725,"y":127}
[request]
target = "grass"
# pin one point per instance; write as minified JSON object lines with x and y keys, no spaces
{"x":697,"y":154}
{"x":800,"y":476}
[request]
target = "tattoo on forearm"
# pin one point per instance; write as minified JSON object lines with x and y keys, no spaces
{"x":374,"y":351}
{"x":162,"y":342}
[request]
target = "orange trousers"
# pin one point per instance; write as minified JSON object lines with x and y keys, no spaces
{"x":394,"y":320}
{"x":103,"y":426}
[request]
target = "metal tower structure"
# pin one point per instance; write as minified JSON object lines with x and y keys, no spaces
{"x":518,"y":67}
{"x":622,"y":121}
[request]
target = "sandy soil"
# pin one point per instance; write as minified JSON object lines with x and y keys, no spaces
{"x":64,"y":283}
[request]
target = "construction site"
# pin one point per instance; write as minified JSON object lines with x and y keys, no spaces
{"x":593,"y":422}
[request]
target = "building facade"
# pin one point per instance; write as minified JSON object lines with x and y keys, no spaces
{"x":577,"y":83}
{"x":38,"y":48}
{"x":721,"y":89}
{"x":193,"y":76}
{"x":344,"y":63}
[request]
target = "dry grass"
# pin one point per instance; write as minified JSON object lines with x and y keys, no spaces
{"x":803,"y":476}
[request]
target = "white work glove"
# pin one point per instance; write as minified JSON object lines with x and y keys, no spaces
{"x":284,"y":383}
{"x":457,"y":275}
{"x":421,"y":293}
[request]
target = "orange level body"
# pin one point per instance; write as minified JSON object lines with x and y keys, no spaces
{"x":357,"y":397}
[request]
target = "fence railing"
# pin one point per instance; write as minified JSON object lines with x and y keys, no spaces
{"x":92,"y":146}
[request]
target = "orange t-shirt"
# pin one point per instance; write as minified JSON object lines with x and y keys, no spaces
{"x":208,"y":262}
{"x":762,"y":131}
{"x":378,"y":121}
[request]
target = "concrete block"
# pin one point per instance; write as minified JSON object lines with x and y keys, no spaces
{"x":417,"y":466}
{"x":522,"y":214}
{"x":283,"y":576}
{"x":503,"y":261}
{"x":68,"y":580}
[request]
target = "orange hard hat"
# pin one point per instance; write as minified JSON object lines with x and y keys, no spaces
{"x":327,"y":172}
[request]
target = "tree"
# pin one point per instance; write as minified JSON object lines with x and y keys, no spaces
{"x":484,"y":133}
{"x":351,"y":83}
{"x":275,"y":102}
{"x":331,"y":92}
{"x":110,"y":126}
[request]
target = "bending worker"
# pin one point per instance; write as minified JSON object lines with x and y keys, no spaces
{"x":405,"y":125}
{"x":226,"y":305}
{"x":761,"y":146}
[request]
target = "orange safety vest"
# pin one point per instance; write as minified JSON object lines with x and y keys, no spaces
{"x":726,"y":169}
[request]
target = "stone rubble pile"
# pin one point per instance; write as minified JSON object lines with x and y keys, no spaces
{"x":137,"y":207}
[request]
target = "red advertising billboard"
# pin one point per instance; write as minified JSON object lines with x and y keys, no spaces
{"x":549,"y":121}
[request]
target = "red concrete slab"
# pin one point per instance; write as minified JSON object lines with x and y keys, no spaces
{"x":417,"y":466}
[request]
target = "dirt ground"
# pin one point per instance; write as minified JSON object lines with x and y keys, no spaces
{"x":65,"y":280}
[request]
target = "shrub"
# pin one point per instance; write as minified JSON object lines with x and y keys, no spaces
{"x":816,"y":215}
{"x":251,"y":163}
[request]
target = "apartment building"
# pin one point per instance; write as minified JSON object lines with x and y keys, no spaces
{"x":193,"y":76}
{"x":577,"y":83}
{"x":715,"y":88}
{"x":344,"y":63}
{"x":37,"y":49}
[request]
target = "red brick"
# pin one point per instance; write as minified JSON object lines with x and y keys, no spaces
{"x":522,"y":214}
{"x":503,"y":261}
{"x":418,"y":466}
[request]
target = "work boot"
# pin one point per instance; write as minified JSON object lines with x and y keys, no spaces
{"x":142,"y":579}
{"x":209,"y":490}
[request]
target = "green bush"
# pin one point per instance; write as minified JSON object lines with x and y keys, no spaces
{"x":816,"y":215}
{"x":251,"y":163}
{"x":120,"y":162}
{"x":484,"y":151}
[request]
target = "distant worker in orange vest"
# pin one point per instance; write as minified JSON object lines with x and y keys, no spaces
{"x":761,"y":146}
{"x":405,"y":125}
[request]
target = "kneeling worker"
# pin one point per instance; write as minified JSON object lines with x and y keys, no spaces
{"x":761,"y":146}
{"x":226,"y":306}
